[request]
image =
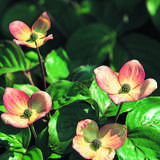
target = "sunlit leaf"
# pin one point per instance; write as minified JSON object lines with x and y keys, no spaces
{"x":153,"y":7}
{"x":33,"y":153}
{"x":56,"y":65}
{"x":27,"y":88}
{"x":143,"y":125}
{"x":13,"y":140}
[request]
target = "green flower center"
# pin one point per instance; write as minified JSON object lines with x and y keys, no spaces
{"x":27,"y":113}
{"x":33,"y":37}
{"x":95,"y":144}
{"x":125,"y":88}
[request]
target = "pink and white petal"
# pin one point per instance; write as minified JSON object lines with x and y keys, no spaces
{"x":20,"y":30}
{"x":43,"y":23}
{"x":107,"y":80}
{"x":131,"y":73}
{"x":30,"y":44}
{"x":83,"y":147}
{"x":15,"y":121}
{"x":87,"y":128}
{"x":118,"y":98}
{"x":15,"y":101}
{"x":41,"y":102}
{"x":20,"y":42}
{"x":113,"y":135}
{"x":104,"y":154}
{"x":48,"y":37}
{"x":144,"y":89}
{"x":35,"y":116}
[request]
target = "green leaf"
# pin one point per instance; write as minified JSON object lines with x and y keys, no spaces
{"x":143,"y":125}
{"x":65,"y":92}
{"x":42,"y":142}
{"x":12,"y":58}
{"x":100,"y":97}
{"x":55,"y":156}
{"x":13,"y":140}
{"x":19,"y":11}
{"x":62,"y":126}
{"x":56,"y":65}
{"x":130,"y":151}
{"x":83,"y":74}
{"x":91,"y":43}
{"x":153,"y":7}
{"x":27,"y":88}
{"x":140,"y":47}
{"x":34,"y":153}
{"x":31,"y":59}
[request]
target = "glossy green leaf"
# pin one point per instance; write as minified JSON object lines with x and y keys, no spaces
{"x":19,"y":11}
{"x":56,"y":65}
{"x":140,"y":47}
{"x":27,"y":88}
{"x":12,"y":58}
{"x":143,"y":126}
{"x":32,"y":59}
{"x":33,"y":153}
{"x":91,"y":44}
{"x":13,"y":140}
{"x":65,"y":92}
{"x":100,"y":97}
{"x":55,"y":156}
{"x":62,"y":126}
{"x":153,"y":7}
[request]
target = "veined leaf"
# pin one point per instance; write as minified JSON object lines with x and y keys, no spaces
{"x":12,"y":58}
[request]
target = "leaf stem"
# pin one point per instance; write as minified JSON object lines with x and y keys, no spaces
{"x":28,"y":75}
{"x":33,"y":131}
{"x":42,"y":68}
{"x":118,"y":112}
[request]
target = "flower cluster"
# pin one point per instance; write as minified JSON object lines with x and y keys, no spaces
{"x":90,"y":141}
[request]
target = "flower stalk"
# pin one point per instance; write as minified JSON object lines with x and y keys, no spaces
{"x":118,"y":112}
{"x":33,"y":130}
{"x":42,"y":68}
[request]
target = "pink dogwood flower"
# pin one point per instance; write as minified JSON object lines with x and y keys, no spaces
{"x":24,"y":110}
{"x":34,"y":37}
{"x":128,"y":85}
{"x":95,"y":144}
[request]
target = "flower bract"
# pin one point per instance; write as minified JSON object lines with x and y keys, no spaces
{"x":95,"y":144}
{"x":34,"y":37}
{"x":128,"y":85}
{"x":24,"y":110}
